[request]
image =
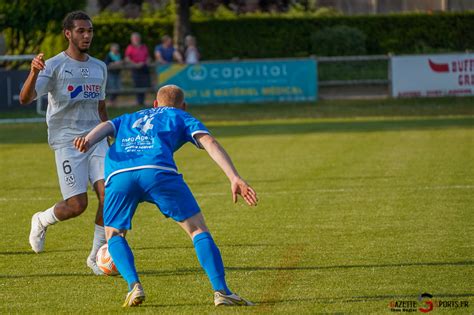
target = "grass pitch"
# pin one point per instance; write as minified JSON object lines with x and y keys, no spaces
{"x":361,"y":204}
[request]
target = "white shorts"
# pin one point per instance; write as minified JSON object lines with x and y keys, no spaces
{"x":75,"y":169}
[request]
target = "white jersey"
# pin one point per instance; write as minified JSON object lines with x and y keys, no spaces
{"x":74,"y":89}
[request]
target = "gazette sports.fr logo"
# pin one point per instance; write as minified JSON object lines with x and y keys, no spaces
{"x":426,"y":304}
{"x":90,"y":91}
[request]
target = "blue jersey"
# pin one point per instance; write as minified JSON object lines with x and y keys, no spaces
{"x":148,"y":139}
{"x":166,"y":52}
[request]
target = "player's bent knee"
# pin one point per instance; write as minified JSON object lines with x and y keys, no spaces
{"x":76,"y":206}
{"x":197,"y":232}
{"x":78,"y":209}
{"x":111,"y":232}
{"x":194,"y":225}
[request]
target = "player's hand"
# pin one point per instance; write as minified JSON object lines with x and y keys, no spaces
{"x":240,"y":187}
{"x":37,"y":64}
{"x":110,"y":140}
{"x":81,"y":144}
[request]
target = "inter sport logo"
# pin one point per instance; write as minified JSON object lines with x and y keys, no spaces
{"x":91,"y":91}
{"x":74,"y":92}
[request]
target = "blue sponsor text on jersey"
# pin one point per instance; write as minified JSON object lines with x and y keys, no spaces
{"x":137,"y":144}
{"x":91,"y":91}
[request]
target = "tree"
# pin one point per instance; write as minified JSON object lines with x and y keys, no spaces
{"x":25,"y":23}
{"x":182,"y":26}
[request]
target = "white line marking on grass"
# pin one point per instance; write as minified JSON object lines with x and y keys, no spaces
{"x":25,"y":199}
{"x":21,"y":120}
{"x":446,"y":187}
{"x":281,"y":192}
{"x":286,"y":192}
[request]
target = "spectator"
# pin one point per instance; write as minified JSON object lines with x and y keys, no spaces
{"x":191,"y":54}
{"x":165,"y":53}
{"x":114,"y":61}
{"x":137,"y":54}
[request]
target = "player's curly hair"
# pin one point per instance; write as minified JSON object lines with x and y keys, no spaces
{"x":68,"y":22}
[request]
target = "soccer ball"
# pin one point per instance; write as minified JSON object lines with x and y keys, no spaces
{"x":105,"y":262}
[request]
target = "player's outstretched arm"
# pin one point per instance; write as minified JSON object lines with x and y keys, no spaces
{"x":220,"y":156}
{"x":101,"y":131}
{"x":28,"y":92}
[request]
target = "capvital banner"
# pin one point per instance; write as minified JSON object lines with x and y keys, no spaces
{"x":433,"y":75}
{"x":244,"y":81}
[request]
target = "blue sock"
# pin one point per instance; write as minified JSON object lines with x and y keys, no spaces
{"x":123,"y":258}
{"x":210,"y":259}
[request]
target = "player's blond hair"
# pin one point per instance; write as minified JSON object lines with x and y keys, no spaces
{"x":170,"y":95}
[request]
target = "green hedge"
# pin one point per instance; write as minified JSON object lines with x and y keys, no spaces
{"x":280,"y":37}
{"x":339,"y":40}
{"x":267,"y":37}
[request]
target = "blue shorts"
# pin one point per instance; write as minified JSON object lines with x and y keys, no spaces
{"x":166,"y":190}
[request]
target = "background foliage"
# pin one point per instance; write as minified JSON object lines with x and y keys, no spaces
{"x":338,"y":41}
{"x":26,"y":23}
{"x":270,"y":36}
{"x":225,"y":36}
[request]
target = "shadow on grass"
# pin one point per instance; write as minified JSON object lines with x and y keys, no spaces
{"x":30,"y":252}
{"x":346,"y":178}
{"x":34,"y":133}
{"x":174,"y":305}
{"x":322,"y":300}
{"x":190,"y":246}
{"x":48,"y":275}
{"x":288,"y":128}
{"x":157,"y":248}
{"x":256,"y":268}
{"x":189,"y":271}
{"x":186,"y":271}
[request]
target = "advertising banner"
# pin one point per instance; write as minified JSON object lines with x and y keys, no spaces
{"x":244,"y":81}
{"x":11,"y":82}
{"x":432,"y":75}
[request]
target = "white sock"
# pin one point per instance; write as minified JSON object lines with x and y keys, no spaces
{"x":99,"y":240}
{"x":47,"y":217}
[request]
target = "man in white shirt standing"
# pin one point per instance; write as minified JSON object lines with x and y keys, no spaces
{"x":75,"y":83}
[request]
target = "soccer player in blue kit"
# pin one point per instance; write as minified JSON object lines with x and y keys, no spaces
{"x":139,"y":167}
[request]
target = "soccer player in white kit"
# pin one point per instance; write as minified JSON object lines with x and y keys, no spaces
{"x":75,"y":84}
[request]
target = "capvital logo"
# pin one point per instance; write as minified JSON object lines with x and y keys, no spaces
{"x":197,"y":73}
{"x":91,"y":91}
{"x":246,"y":71}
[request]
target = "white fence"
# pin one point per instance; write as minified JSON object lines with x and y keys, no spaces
{"x":397,"y":76}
